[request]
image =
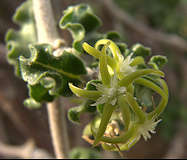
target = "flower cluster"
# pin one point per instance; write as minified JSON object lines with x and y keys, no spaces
{"x":119,"y":74}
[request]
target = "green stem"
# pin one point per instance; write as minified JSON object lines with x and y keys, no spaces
{"x":107,"y":113}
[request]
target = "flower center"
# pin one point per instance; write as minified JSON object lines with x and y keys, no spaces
{"x":124,"y":65}
{"x":109,"y":94}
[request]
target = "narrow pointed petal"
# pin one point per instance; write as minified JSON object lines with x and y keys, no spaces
{"x":114,"y":48}
{"x":107,"y":113}
{"x":124,"y":107}
{"x":105,"y":76}
{"x":93,"y":95}
{"x":96,"y":53}
{"x":162,"y":105}
{"x":137,"y":74}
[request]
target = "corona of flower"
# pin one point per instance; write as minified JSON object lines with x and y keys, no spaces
{"x":124,"y":65}
{"x":109,"y":94}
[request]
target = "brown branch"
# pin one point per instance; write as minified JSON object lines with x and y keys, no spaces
{"x":25,"y":151}
{"x":7,"y":108}
{"x":178,"y":144}
{"x":170,"y":40}
{"x":47,"y":33}
{"x":3,"y":136}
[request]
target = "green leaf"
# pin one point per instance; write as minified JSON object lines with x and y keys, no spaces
{"x":158,"y":60}
{"x":140,"y":50}
{"x":112,"y":35}
{"x":17,"y":41}
{"x":79,"y":20}
{"x":74,"y":114}
{"x":48,"y":76}
{"x":84,"y":153}
{"x":31,"y":103}
{"x":39,"y":93}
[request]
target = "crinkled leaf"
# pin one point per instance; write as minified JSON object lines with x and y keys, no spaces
{"x":140,"y":50}
{"x":114,"y":36}
{"x":17,"y":41}
{"x":39,"y":93}
{"x":79,"y":20}
{"x":158,"y":60}
{"x":48,"y":76}
{"x":31,"y":103}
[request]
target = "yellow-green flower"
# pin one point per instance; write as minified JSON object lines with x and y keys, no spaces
{"x":111,"y":93}
{"x":118,"y":74}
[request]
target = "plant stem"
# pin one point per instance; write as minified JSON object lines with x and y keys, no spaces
{"x":47,"y":33}
{"x":58,"y":129}
{"x":45,"y":23}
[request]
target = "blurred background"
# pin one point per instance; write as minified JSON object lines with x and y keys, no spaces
{"x":158,"y":24}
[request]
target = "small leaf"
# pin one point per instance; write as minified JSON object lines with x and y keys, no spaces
{"x":39,"y":93}
{"x":114,"y":36}
{"x":74,"y":114}
{"x":140,"y":50}
{"x":159,"y":60}
{"x":84,"y":153}
{"x":79,"y":20}
{"x":31,"y":103}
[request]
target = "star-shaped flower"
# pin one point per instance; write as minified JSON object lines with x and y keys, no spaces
{"x":146,"y":128}
{"x":111,"y":93}
{"x":114,"y":91}
{"x":125,"y":67}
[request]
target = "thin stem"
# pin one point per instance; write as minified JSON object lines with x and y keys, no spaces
{"x":58,"y":129}
{"x":25,"y":151}
{"x":47,"y":33}
{"x":45,"y":23}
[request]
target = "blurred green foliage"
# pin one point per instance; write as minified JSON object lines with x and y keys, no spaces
{"x":84,"y":153}
{"x":167,"y":15}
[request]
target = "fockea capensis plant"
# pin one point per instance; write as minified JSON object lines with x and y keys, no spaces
{"x":115,"y":92}
{"x":120,"y":96}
